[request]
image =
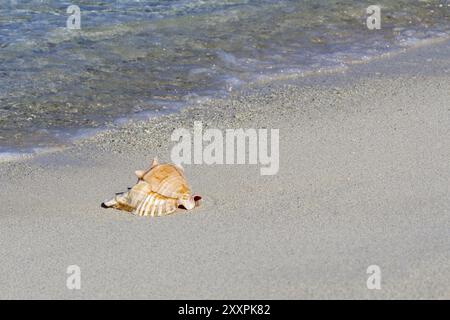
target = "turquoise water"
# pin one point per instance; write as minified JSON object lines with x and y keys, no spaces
{"x":144,"y":58}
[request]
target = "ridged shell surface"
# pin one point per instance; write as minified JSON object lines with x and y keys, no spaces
{"x":142,"y":201}
{"x":167,"y":180}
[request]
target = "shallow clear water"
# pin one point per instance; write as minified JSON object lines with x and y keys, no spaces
{"x":149,"y":57}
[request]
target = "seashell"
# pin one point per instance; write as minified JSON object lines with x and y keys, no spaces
{"x":159,"y":191}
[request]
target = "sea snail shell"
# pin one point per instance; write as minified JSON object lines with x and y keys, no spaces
{"x":159,"y":191}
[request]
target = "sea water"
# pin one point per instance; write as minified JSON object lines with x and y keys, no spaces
{"x":149,"y":57}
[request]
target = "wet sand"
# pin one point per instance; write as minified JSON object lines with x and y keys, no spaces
{"x":363,"y":180}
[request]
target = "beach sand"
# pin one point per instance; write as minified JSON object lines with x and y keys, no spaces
{"x":363,"y":180}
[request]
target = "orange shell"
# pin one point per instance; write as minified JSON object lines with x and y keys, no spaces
{"x":159,"y":191}
{"x":141,"y":201}
{"x":167,"y":180}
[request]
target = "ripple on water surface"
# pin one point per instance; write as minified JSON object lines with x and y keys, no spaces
{"x":137,"y":59}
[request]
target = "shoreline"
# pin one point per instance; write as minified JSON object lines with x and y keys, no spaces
{"x":12,"y":154}
{"x":363,"y":180}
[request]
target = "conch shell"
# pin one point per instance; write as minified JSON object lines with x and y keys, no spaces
{"x":159,"y":191}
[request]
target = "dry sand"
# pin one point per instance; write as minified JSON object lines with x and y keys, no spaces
{"x":364,"y":180}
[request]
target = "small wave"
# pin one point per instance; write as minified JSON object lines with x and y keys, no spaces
{"x":131,"y":59}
